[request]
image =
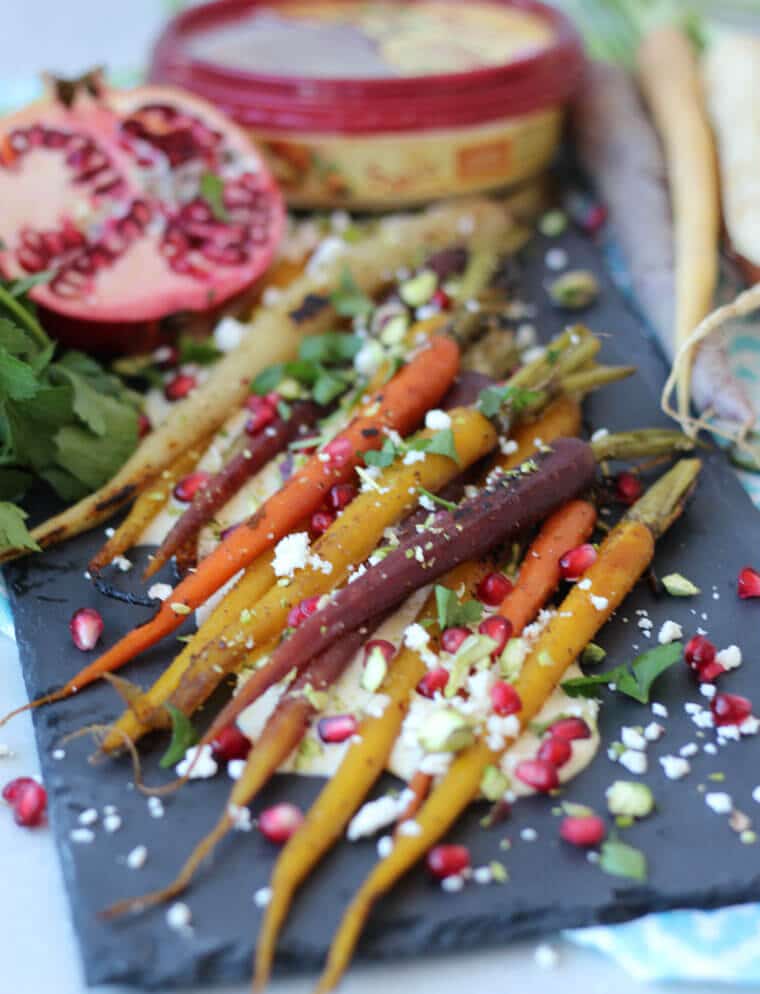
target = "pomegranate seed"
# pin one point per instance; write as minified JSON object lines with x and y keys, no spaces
{"x":30,"y":804}
{"x":555,"y":751}
{"x":497,"y":628}
{"x":570,"y":729}
{"x":341,"y":495}
{"x":576,"y":561}
{"x":452,"y":638}
{"x":320,"y":522}
{"x":748,"y":584}
{"x":189,"y":485}
{"x":699,"y":652}
{"x":262,"y":414}
{"x":538,"y":774}
{"x":301,"y":611}
{"x":441,"y":299}
{"x":86,"y":627}
{"x":180,"y":386}
{"x":709,"y":672}
{"x":14,"y":787}
{"x":144,"y":427}
{"x":433,"y":681}
{"x":273,"y":399}
{"x":628,"y":488}
{"x":504,"y":698}
{"x":280,"y":821}
{"x":448,"y":861}
{"x":730,"y":709}
{"x":339,"y":451}
{"x":583,"y":830}
{"x":387,"y":648}
{"x":337,"y":728}
{"x":493,"y":588}
{"x":230,"y":743}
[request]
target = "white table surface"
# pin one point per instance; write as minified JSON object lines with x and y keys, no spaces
{"x":38,"y":953}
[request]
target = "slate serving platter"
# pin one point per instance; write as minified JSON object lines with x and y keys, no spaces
{"x":695,"y":858}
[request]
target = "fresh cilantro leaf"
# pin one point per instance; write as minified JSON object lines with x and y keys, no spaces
{"x":93,"y":459}
{"x":492,"y":399}
{"x":267,"y":380}
{"x":87,"y":401}
{"x":622,"y":860}
{"x":348,"y":300}
{"x":327,"y":387}
{"x":13,"y":531}
{"x":183,"y":736}
{"x":443,"y":444}
{"x":202,"y":351}
{"x":331,"y":348}
{"x":17,"y":379}
{"x":635,"y":682}
{"x":13,"y":483}
{"x":452,"y":612}
{"x":381,"y":457}
{"x":307,"y":373}
{"x":448,"y":504}
{"x":15,"y":339}
{"x":211,"y":188}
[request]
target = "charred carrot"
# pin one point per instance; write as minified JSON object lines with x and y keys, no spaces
{"x":401,"y":405}
{"x":623,"y":557}
{"x":244,"y":620}
{"x":146,"y":507}
{"x":509,"y":505}
{"x":250,"y":456}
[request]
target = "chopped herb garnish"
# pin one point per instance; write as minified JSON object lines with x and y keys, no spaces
{"x":349,"y":300}
{"x":267,"y":380}
{"x":453,"y":613}
{"x":183,"y":736}
{"x":447,"y":504}
{"x":382,"y":457}
{"x":284,"y":410}
{"x":202,"y":351}
{"x":636,"y":681}
{"x":211,"y":188}
{"x":491,"y":400}
{"x":622,"y":860}
{"x":331,"y":348}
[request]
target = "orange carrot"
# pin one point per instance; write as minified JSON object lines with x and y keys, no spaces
{"x":568,"y":527}
{"x":400,"y":405}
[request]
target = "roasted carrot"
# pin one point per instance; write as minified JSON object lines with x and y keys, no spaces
{"x":242,"y":620}
{"x":250,"y":456}
{"x":670,"y":81}
{"x":416,"y":388}
{"x":498,"y":512}
{"x":146,"y":507}
{"x":574,"y":521}
{"x":273,"y":337}
{"x":623,"y":557}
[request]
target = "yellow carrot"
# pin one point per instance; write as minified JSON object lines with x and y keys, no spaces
{"x":623,"y":557}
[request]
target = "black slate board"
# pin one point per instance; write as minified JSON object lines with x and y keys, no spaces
{"x":695,"y":858}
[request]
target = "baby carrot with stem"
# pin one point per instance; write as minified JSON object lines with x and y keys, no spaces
{"x":623,"y":557}
{"x":366,"y":759}
{"x":401,"y":405}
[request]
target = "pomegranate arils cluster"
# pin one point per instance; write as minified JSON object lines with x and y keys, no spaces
{"x":28,"y":800}
{"x":539,"y":774}
{"x":497,"y":628}
{"x":730,"y":709}
{"x":433,"y":682}
{"x":555,"y":751}
{"x":700,"y":656}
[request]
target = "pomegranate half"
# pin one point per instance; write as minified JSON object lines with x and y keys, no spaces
{"x":141,"y":205}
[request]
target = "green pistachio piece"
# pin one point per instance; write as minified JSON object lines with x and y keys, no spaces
{"x":628,"y":799}
{"x":374,"y":671}
{"x":446,"y":731}
{"x":593,"y":654}
{"x":553,"y":223}
{"x":472,"y":651}
{"x":419,"y":289}
{"x":290,"y":389}
{"x":678,"y":586}
{"x":512,"y":658}
{"x":575,"y":289}
{"x":494,"y":784}
{"x":394,"y":330}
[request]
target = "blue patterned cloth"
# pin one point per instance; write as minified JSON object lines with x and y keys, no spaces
{"x":721,"y":946}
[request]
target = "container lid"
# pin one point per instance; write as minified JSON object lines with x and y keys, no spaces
{"x":540,"y":78}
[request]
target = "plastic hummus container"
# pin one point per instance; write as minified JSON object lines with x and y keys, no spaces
{"x":381,"y":104}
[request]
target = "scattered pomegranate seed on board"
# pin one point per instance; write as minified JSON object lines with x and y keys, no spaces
{"x":730,"y":709}
{"x":86,"y":627}
{"x":448,"y":861}
{"x":279,"y":822}
{"x":583,"y":830}
{"x":628,"y":487}
{"x":230,"y":743}
{"x":748,"y":584}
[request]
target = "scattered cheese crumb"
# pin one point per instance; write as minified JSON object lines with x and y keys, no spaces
{"x":88,"y":817}
{"x":729,"y":658}
{"x":136,"y":859}
{"x":155,"y":807}
{"x":653,"y":731}
{"x":384,"y":846}
{"x":159,"y":591}
{"x":600,"y":603}
{"x":546,"y":957}
{"x":659,"y":710}
{"x":83,"y":836}
{"x":178,"y":916}
{"x":633,"y":761}
{"x":675,"y":767}
{"x":632,"y":739}
{"x":437,"y":420}
{"x":719,"y":802}
{"x":205,"y":767}
{"x":528,"y":834}
{"x":262,"y":897}
{"x":670,"y":632}
{"x":291,"y":553}
{"x":452,"y":884}
{"x":56,"y":754}
{"x":235,"y":768}
{"x":112,"y":823}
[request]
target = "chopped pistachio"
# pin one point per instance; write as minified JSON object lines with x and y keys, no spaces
{"x":179,"y":608}
{"x":574,"y":290}
{"x":512,"y":658}
{"x":593,"y":654}
{"x":474,"y":649}
{"x":576,"y":810}
{"x":553,"y":223}
{"x":419,"y":289}
{"x":374,"y":670}
{"x":394,"y":330}
{"x":446,"y":731}
{"x":317,"y":698}
{"x":494,"y":783}
{"x":678,"y":586}
{"x":630,"y":799}
{"x":289,"y":389}
{"x":499,"y":872}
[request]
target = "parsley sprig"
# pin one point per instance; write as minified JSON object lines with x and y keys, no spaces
{"x":442,"y":443}
{"x":63,"y":418}
{"x":635,"y":680}
{"x":453,"y":613}
{"x":315,"y":368}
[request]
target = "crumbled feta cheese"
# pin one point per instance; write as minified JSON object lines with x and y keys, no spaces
{"x":413,"y":456}
{"x":57,"y":754}
{"x":436,"y":764}
{"x":756,"y":795}
{"x":689,"y":750}
{"x":384,"y":846}
{"x":452,"y":884}
{"x":482,"y":875}
{"x":750,"y":726}
{"x":88,"y":817}
{"x":137,"y":858}
{"x":205,"y":766}
{"x":675,"y":767}
{"x":410,"y":827}
{"x":178,"y":916}
{"x":659,"y":710}
{"x":376,"y":705}
{"x":645,"y":624}
{"x":584,"y":584}
{"x":729,"y":658}
{"x":599,"y":434}
{"x":528,"y":834}
{"x":508,"y":446}
{"x":369,"y":358}
{"x":374,"y":815}
{"x":437,"y":420}
{"x":719,"y":802}
{"x":546,"y":957}
{"x":235,"y":768}
{"x":112,"y":823}
{"x":228,"y":334}
{"x":262,"y":897}
{"x":415,"y":637}
{"x":159,"y":591}
{"x":670,"y":632}
{"x":632,"y":739}
{"x":600,"y":603}
{"x":291,"y":553}
{"x":82,"y":836}
{"x":122,"y":563}
{"x":556,"y":259}
{"x":728,"y":732}
{"x":653,"y":731}
{"x":155,"y":807}
{"x":707,"y":690}
{"x":240,"y":817}
{"x":633,"y":761}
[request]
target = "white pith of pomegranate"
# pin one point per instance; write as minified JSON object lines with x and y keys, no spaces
{"x":107,"y":195}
